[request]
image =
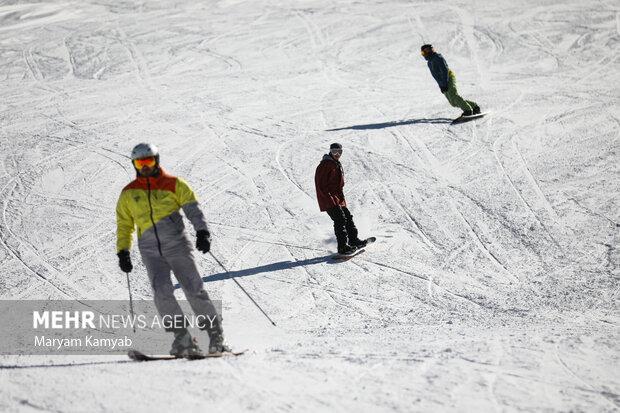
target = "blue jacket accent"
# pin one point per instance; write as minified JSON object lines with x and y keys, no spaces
{"x":439,"y":69}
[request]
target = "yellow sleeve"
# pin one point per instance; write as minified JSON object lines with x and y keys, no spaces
{"x":184,"y":193}
{"x":124,"y":224}
{"x":189,"y":203}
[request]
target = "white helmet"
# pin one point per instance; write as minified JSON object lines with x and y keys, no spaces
{"x":144,"y":150}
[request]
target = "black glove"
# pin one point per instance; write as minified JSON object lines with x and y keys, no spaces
{"x":124,"y":261}
{"x":443,"y":89}
{"x":203,"y":241}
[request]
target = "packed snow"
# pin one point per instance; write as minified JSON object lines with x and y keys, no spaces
{"x":493,"y":285}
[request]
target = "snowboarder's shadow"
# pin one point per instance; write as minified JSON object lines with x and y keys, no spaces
{"x":392,"y":124}
{"x":276,"y":266}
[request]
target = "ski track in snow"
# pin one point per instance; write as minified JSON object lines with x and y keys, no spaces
{"x":493,"y":285}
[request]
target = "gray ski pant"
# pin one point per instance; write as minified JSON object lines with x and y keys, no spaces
{"x":177,"y":257}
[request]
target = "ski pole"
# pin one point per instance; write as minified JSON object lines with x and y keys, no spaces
{"x":131,"y":303}
{"x":242,"y":289}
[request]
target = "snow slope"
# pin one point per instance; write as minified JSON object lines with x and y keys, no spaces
{"x":494,"y":282}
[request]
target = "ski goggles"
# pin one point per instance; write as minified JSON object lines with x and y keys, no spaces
{"x":141,"y":163}
{"x":336,"y":151}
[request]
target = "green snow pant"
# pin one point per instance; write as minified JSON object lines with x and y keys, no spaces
{"x":453,"y":95}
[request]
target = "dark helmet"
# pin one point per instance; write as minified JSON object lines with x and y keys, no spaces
{"x":335,"y":145}
{"x":426,"y":46}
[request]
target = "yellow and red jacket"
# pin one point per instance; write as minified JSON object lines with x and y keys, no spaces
{"x":149,"y":200}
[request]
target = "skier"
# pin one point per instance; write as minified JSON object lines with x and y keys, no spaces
{"x":447,"y":81}
{"x":152,"y":202}
{"x":329,"y":181}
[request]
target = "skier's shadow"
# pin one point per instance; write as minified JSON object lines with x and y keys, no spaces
{"x":45,"y":366}
{"x":392,"y":124}
{"x":276,"y":266}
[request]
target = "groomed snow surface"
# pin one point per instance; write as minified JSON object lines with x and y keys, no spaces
{"x":493,"y":285}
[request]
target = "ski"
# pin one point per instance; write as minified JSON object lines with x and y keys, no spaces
{"x":217,"y":355}
{"x":463,"y":119}
{"x":139,"y":356}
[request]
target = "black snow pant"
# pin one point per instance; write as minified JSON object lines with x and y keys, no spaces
{"x":344,"y":227}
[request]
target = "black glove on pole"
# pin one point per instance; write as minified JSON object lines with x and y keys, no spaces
{"x":124,"y":261}
{"x":203,"y":241}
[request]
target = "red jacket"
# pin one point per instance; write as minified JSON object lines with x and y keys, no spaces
{"x":329,"y":181}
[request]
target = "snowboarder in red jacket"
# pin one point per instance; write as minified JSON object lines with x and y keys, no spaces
{"x":329,"y":181}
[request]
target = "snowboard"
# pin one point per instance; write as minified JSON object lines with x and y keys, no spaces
{"x":139,"y":356}
{"x":463,"y":119}
{"x":346,"y":257}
